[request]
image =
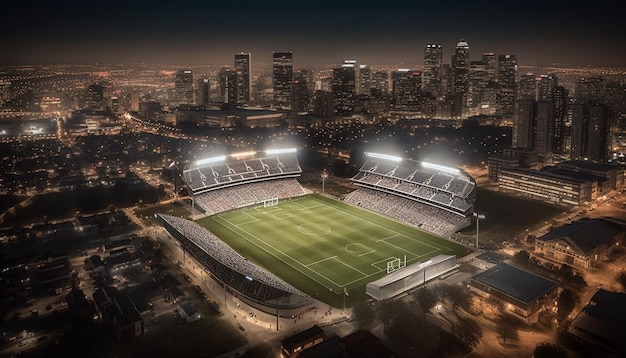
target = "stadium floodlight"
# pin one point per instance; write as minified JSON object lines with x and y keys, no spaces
{"x":383,"y":156}
{"x":210,"y":160}
{"x":280,"y":151}
{"x":243,"y":154}
{"x":440,"y":167}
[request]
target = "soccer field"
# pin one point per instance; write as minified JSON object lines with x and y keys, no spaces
{"x":323,"y":246}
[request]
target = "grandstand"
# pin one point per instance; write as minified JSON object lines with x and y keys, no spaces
{"x":238,"y":180}
{"x":433,"y":197}
{"x":254,"y":284}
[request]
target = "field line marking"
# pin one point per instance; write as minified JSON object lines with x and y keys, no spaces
{"x":317,"y":262}
{"x":367,"y":253}
{"x":278,"y":252}
{"x":388,"y":237}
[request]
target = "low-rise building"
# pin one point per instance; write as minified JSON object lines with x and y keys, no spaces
{"x":581,"y":243}
{"x":524,"y":293}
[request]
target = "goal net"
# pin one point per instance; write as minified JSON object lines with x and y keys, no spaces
{"x":395,"y":264}
{"x":270,"y":202}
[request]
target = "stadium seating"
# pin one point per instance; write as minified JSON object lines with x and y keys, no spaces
{"x":225,"y":264}
{"x":434,"y":199}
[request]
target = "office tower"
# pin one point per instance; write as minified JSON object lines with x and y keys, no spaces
{"x":405,"y":89}
{"x":558,"y":97}
{"x":380,"y":82}
{"x":95,"y":97}
{"x":591,"y":131}
{"x":183,"y":87}
{"x":599,"y":132}
{"x":134,"y":101}
{"x":590,"y":89}
{"x":324,"y":104}
{"x":282,"y":77}
{"x":302,"y":91}
{"x":243,"y":80}
{"x":460,"y":69}
{"x":431,"y":77}
{"x":365,"y":80}
{"x":344,"y":87}
{"x":543,"y":130}
{"x":545,"y":85}
{"x":524,"y":116}
{"x":527,"y":87}
{"x":479,"y":78}
{"x":227,"y":78}
{"x":491,"y":65}
{"x":203,"y":94}
{"x":507,"y":70}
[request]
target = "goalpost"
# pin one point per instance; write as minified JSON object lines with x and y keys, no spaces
{"x":395,"y":264}
{"x":270,"y":202}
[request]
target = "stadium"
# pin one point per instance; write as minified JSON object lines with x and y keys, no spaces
{"x":274,"y":244}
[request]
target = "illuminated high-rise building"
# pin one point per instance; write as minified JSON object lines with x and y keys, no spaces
{"x":405,"y":89}
{"x":460,"y":68}
{"x":479,"y":78}
{"x":244,"y":79}
{"x":302,"y":91}
{"x":134,"y":101}
{"x":560,"y":132}
{"x":431,"y":77}
{"x":203,"y":91}
{"x":344,"y":87}
{"x":227,"y":78}
{"x":282,"y":77}
{"x":365,"y":80}
{"x":545,"y":84}
{"x":524,"y":124}
{"x":380,"y":83}
{"x":183,"y":87}
{"x":506,"y":78}
{"x":544,"y":126}
{"x":590,"y":89}
{"x":95,"y":97}
{"x":491,"y":65}
{"x":591,"y":131}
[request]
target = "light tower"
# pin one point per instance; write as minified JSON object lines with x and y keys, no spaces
{"x":478,"y":217}
{"x":324,"y":176}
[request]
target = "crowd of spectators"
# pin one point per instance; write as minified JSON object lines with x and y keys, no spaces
{"x":427,"y":217}
{"x":225,"y":264}
{"x":247,"y":194}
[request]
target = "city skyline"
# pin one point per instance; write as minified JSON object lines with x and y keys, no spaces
{"x":537,"y":33}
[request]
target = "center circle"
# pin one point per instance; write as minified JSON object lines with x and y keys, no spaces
{"x":314,"y":229}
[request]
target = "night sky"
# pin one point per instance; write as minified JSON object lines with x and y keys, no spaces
{"x":569,"y":32}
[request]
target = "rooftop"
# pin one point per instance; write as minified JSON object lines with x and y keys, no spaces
{"x":514,"y":282}
{"x":585,"y":235}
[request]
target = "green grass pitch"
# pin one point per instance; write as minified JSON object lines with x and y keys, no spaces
{"x":323,"y":246}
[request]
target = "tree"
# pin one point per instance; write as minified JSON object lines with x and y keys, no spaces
{"x":497,"y":305}
{"x":621,"y":279}
{"x":566,"y":302}
{"x":469,"y":332}
{"x":505,"y":330}
{"x":425,"y":299}
{"x":522,"y":258}
{"x":457,"y":296}
{"x":363,"y":314}
{"x":549,"y":350}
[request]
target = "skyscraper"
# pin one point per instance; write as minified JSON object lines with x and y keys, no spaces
{"x":524,"y":124}
{"x":405,"y":89}
{"x":227,"y":85}
{"x":244,"y":84}
{"x":380,"y":82}
{"x":460,"y":68}
{"x":344,"y":87}
{"x":183,"y":87}
{"x":282,"y":77}
{"x":203,"y":91}
{"x":431,"y":77}
{"x":365,"y":80}
{"x":507,"y":70}
{"x":560,"y":134}
{"x":302,"y":91}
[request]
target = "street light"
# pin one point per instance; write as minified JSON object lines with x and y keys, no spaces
{"x":324,"y":176}
{"x":478,"y":217}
